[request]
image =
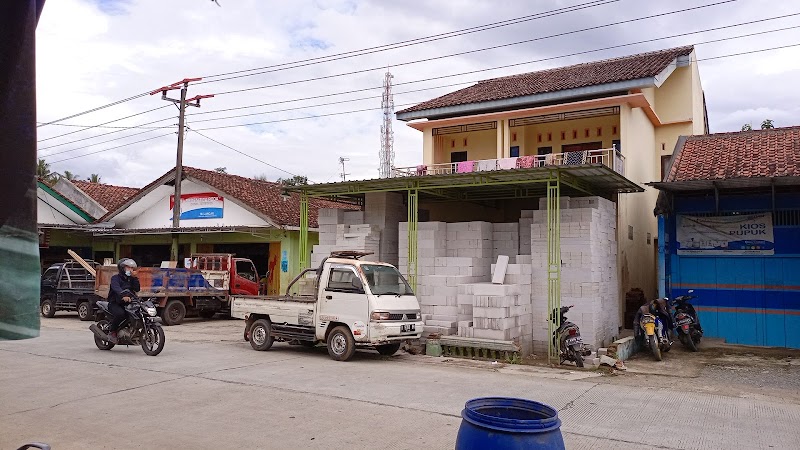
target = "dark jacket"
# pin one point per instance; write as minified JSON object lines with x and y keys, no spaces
{"x":120,"y":283}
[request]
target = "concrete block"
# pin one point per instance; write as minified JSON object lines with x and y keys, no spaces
{"x":499,"y":274}
{"x":495,"y":289}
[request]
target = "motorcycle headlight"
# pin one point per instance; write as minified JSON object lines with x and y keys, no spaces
{"x":151,"y":311}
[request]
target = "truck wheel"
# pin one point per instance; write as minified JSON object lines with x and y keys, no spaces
{"x":207,"y":313}
{"x":341,"y":345}
{"x":174,"y":312}
{"x":85,"y":311}
{"x":48,"y":308}
{"x":260,"y":335}
{"x":388,"y":349}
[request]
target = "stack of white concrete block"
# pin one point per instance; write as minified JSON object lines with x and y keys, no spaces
{"x":505,"y":240}
{"x":344,"y":230}
{"x":524,"y":226}
{"x":588,"y":269}
{"x":499,"y":311}
{"x":448,"y":255}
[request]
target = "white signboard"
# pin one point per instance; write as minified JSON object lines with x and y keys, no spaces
{"x":206,"y":205}
{"x":746,"y":234}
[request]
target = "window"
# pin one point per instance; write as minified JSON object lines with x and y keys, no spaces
{"x":617,"y":144}
{"x":50,"y":276}
{"x":665,"y":160}
{"x":458,"y":157}
{"x":582,"y":147}
{"x":385,"y":280}
{"x":341,"y":279}
{"x":514,"y":151}
{"x":246,"y":270}
{"x":544,"y":151}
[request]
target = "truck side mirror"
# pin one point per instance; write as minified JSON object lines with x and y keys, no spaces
{"x":357,"y":284}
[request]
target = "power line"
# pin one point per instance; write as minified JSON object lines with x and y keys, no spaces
{"x":422,"y":40}
{"x":104,"y":123}
{"x":408,"y":104}
{"x":388,"y":47}
{"x":494,"y":68}
{"x":97,"y":143}
{"x":103,"y":134}
{"x":242,"y":153}
{"x":118,"y":102}
{"x":119,"y":127}
{"x":110,"y":148}
{"x":417,"y":61}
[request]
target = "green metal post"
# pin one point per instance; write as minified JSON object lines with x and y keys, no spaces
{"x":413,"y":216}
{"x":304,"y":254}
{"x":553,"y":262}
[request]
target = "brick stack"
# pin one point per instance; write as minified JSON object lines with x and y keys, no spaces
{"x":525,"y":221}
{"x":345,"y":230}
{"x":499,"y":312}
{"x":505,"y":240}
{"x":588,"y":269}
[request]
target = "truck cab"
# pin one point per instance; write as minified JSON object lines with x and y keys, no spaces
{"x":353,"y":304}
{"x":68,"y":286}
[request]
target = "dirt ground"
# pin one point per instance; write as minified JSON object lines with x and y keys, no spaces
{"x":718,"y":368}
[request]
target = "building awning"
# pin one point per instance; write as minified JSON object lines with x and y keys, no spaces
{"x":588,"y":179}
{"x":687,"y":186}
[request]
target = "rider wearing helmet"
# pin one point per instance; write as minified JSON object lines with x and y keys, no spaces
{"x":658,"y":307}
{"x":124,"y":281}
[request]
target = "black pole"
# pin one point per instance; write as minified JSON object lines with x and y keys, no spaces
{"x":19,"y":241}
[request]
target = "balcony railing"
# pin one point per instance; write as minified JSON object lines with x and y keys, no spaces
{"x":609,"y":157}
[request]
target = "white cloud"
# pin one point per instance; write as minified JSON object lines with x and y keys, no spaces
{"x":94,"y":52}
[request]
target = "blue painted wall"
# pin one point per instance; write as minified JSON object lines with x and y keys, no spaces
{"x":751,"y":300}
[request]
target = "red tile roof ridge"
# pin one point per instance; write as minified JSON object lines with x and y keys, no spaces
{"x":742,"y":132}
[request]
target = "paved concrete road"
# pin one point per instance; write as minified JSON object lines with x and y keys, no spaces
{"x":208,"y":389}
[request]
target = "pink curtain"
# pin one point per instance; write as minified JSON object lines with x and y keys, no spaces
{"x":466,"y":166}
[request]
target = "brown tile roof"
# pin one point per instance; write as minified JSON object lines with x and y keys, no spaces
{"x":108,"y":196}
{"x":263,"y":196}
{"x":743,"y":154}
{"x":643,"y":65}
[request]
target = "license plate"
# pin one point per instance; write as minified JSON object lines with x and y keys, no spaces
{"x":405,"y":328}
{"x":574,"y":340}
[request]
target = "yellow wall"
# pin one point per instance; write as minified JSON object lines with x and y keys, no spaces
{"x":674,"y":97}
{"x":480,"y":145}
{"x":530,"y":133}
{"x":636,"y":258}
{"x":698,"y":103}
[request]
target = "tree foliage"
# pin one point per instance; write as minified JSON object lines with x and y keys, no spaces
{"x":221,"y":170}
{"x":71,"y":176}
{"x":43,"y":171}
{"x":767,"y":124}
{"x":296,"y":180}
{"x":747,"y":127}
{"x":93,"y":178}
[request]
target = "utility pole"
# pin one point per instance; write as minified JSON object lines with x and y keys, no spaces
{"x":183,"y":85}
{"x":342,"y":160}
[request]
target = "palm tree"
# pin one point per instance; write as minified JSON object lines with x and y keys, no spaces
{"x":71,"y":176}
{"x":43,"y":171}
{"x":93,"y":178}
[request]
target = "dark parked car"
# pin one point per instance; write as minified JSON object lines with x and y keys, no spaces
{"x":68,"y":286}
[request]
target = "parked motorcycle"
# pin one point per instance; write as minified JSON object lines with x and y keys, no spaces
{"x":141,"y":327}
{"x":686,"y":321}
{"x":567,"y":338}
{"x":656,"y":335}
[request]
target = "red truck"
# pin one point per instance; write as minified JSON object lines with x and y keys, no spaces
{"x":205,"y":288}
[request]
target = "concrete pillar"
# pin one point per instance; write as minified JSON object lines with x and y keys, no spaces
{"x":501,"y":138}
{"x":506,"y":139}
{"x":428,"y":150}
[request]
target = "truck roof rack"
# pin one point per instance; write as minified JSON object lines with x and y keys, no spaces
{"x":350,"y":254}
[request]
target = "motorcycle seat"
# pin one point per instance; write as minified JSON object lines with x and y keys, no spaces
{"x":103,"y":304}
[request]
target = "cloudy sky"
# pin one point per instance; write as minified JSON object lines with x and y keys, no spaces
{"x":94,"y":52}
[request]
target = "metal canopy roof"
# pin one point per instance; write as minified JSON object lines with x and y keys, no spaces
{"x":588,"y":179}
{"x":725,"y":184}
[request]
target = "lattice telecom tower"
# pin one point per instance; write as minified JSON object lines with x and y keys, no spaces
{"x":387,"y":135}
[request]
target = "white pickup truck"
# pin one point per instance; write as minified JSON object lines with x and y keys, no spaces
{"x":354,"y":304}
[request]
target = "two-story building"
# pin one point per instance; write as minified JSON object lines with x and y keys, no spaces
{"x":637,"y":105}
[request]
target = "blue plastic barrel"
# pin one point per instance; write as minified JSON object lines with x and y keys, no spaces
{"x":502,"y":423}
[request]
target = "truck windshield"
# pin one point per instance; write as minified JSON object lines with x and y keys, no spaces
{"x":385,"y":280}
